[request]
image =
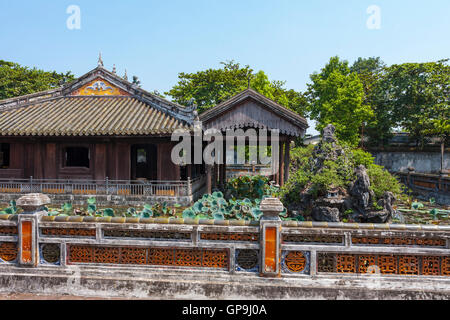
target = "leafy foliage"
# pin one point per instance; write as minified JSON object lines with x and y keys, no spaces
{"x":215,"y":206}
{"x":16,"y":80}
{"x":419,"y":97}
{"x":253,"y":187}
{"x":210,"y":87}
{"x":11,"y":209}
{"x":381,"y":181}
{"x":371,"y":72}
{"x":336,"y":96}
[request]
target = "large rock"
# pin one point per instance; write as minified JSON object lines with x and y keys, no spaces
{"x":375,"y":217}
{"x":360,"y":190}
{"x":326,"y":214}
{"x":387,"y":203}
{"x":328,"y":134}
{"x":355,"y":203}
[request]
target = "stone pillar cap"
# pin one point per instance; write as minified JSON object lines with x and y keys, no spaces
{"x":271,"y":207}
{"x":33,"y":201}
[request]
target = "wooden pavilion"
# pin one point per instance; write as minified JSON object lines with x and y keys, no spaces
{"x":250,"y":109}
{"x":102,"y":129}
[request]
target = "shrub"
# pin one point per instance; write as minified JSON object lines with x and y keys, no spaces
{"x":381,"y":181}
{"x":326,"y":178}
{"x":252,"y":187}
{"x":361,"y":157}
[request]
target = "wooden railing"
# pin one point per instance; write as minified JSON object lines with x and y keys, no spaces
{"x":425,"y":182}
{"x":247,"y":169}
{"x":97,"y":187}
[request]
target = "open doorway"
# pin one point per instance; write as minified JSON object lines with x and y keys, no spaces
{"x":143,"y":162}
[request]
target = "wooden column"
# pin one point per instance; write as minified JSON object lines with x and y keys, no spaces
{"x":222,"y":168}
{"x":215,"y":175}
{"x":38,"y":161}
{"x":50,"y":165}
{"x":123,"y":161}
{"x":224,"y":174}
{"x":208,"y":178}
{"x":281,"y":164}
{"x":189,"y":170}
{"x":287,"y":160}
{"x":100,"y":164}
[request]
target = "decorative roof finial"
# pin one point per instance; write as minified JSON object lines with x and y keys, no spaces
{"x":100,"y":61}
{"x":114,"y":69}
{"x":125,"y":77}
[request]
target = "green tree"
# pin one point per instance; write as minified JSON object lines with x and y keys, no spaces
{"x":371,"y":72}
{"x":419,"y":96}
{"x":336,"y":96}
{"x":16,"y":80}
{"x":210,"y":87}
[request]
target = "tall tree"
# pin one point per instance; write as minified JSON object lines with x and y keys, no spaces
{"x":210,"y":87}
{"x":336,"y":96}
{"x":371,"y":71}
{"x":16,"y":80}
{"x":419,"y":95}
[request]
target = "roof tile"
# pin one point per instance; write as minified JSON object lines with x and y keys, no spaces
{"x":88,"y":116}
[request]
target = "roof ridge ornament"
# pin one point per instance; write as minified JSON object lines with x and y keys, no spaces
{"x":114,"y":69}
{"x":125,"y":77}
{"x":100,"y":60}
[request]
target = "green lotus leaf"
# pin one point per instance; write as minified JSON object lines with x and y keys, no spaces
{"x":146,"y":214}
{"x":284,"y":213}
{"x":10,"y":210}
{"x":417,"y":205}
{"x":92,"y":208}
{"x":131,"y":211}
{"x":245,"y":209}
{"x":108,"y":212}
{"x":256,"y":213}
{"x":67,"y":207}
{"x":218,"y":216}
{"x":222,"y":202}
{"x":218,"y":194}
{"x":188,"y":214}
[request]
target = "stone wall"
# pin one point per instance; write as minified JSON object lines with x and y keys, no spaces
{"x":423,"y":162}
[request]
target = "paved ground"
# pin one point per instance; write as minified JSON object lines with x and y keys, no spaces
{"x":48,"y":297}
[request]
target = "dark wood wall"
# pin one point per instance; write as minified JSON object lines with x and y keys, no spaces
{"x":44,"y":158}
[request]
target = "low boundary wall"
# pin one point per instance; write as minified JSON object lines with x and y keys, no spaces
{"x":397,"y":260}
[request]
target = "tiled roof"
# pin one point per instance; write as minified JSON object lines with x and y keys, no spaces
{"x":87,"y":116}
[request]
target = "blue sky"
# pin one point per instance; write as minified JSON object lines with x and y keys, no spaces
{"x":155,"y":40}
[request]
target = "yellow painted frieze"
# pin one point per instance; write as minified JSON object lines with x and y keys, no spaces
{"x":99,"y":87}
